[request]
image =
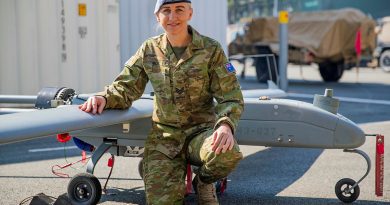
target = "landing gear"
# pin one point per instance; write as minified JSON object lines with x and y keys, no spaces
{"x":84,"y":189}
{"x":347,"y":190}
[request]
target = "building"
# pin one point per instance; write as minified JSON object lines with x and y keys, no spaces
{"x":82,"y":44}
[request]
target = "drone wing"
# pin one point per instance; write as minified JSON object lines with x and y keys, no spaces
{"x":30,"y":125}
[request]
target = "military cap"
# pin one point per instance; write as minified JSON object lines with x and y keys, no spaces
{"x":159,"y":3}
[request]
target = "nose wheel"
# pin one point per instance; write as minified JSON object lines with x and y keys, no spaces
{"x":347,"y":190}
{"x":84,"y":189}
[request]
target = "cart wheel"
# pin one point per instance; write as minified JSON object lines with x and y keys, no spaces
{"x":84,"y":189}
{"x":342,"y":186}
{"x":140,"y":168}
{"x":221,"y":185}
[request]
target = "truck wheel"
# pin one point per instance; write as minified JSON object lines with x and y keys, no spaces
{"x":331,"y":71}
{"x":384,"y":61}
{"x":262,"y":71}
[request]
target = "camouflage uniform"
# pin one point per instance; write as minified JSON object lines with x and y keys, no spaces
{"x":184,"y":115}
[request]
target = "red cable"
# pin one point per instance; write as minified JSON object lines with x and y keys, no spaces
{"x":54,"y":171}
{"x":111,"y":162}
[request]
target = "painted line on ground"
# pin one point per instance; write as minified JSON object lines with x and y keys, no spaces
{"x":344,"y":99}
{"x":52,"y":149}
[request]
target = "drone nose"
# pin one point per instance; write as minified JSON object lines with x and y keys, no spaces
{"x":347,"y":134}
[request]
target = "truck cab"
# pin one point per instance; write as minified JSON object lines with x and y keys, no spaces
{"x":382,"y":51}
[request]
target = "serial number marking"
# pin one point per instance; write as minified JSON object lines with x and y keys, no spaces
{"x":381,"y":172}
{"x":259,"y":131}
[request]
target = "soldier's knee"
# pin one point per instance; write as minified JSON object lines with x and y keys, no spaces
{"x":230,"y":158}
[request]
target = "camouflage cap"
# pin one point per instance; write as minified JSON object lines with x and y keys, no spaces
{"x":159,"y":3}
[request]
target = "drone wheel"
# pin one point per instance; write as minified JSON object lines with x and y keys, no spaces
{"x":141,"y":168}
{"x":342,"y":186}
{"x":84,"y":189}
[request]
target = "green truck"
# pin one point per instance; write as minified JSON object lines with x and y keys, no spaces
{"x":336,"y":40}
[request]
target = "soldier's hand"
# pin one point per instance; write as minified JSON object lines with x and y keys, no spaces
{"x":222,"y":139}
{"x":94,"y":104}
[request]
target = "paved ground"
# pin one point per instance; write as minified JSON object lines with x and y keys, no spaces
{"x":266,"y":176}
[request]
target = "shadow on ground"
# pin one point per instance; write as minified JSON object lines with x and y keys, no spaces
{"x":257,"y":180}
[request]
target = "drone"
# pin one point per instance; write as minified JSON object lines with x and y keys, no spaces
{"x":267,"y":121}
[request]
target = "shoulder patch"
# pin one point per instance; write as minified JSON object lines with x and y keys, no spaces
{"x":230,"y":68}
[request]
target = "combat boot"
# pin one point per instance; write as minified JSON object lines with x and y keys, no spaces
{"x":206,"y":192}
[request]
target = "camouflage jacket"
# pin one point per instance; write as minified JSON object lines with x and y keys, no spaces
{"x":184,"y":88}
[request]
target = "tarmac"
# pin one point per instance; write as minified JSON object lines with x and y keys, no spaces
{"x":267,"y":175}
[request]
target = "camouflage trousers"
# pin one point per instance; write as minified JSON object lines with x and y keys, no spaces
{"x":164,"y":177}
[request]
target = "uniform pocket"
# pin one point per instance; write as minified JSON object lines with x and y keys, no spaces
{"x":197,"y":84}
{"x":166,"y":140}
{"x":159,"y":78}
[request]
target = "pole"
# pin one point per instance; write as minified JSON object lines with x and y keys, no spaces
{"x":283,"y":49}
{"x":275,"y":9}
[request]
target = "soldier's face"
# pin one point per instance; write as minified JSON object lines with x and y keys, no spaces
{"x":174,"y":17}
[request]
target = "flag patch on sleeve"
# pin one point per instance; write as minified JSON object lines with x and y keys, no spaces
{"x":229,"y":67}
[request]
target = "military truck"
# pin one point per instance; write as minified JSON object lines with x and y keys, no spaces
{"x":328,"y":38}
{"x":382,"y":52}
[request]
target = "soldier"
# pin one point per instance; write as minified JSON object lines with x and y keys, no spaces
{"x":187,"y":71}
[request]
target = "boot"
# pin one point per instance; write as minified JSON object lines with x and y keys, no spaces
{"x":206,"y":192}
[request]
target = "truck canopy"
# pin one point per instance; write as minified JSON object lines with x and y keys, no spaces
{"x":327,"y":35}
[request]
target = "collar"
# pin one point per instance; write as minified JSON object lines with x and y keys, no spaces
{"x":196,"y":43}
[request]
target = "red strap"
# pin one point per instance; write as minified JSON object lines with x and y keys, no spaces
{"x":379,"y":165}
{"x":189,"y":180}
{"x":223,"y":185}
